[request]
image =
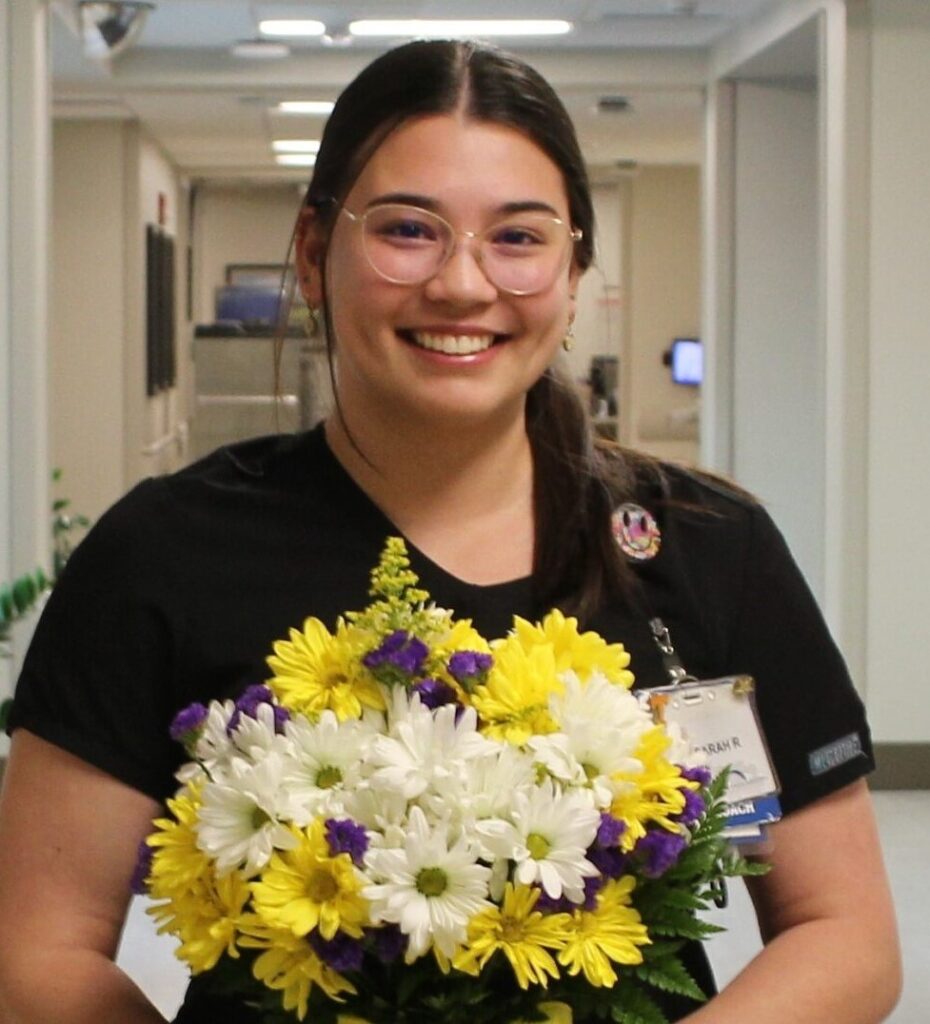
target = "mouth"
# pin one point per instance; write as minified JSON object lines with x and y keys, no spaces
{"x":452,"y":344}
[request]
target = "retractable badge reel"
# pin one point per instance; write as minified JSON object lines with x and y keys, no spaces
{"x":718,"y":717}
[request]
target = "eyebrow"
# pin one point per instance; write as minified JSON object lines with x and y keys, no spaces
{"x":427,"y":203}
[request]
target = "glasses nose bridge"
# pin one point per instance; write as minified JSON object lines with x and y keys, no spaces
{"x":475,"y":238}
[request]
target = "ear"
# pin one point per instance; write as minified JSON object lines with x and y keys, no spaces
{"x":308,"y":250}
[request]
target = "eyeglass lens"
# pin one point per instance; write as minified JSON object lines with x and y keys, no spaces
{"x":522,"y":254}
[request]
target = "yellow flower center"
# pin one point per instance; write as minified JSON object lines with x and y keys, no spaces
{"x":538,"y":846}
{"x":328,"y":776}
{"x":334,"y":679}
{"x":432,"y":881}
{"x":259,"y":818}
{"x":511,"y":930}
{"x":321,"y":886}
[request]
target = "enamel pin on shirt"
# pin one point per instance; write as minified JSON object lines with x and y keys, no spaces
{"x":636,"y":532}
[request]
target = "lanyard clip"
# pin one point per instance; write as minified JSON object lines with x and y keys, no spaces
{"x":673,"y":664}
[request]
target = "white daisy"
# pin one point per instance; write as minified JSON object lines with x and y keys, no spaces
{"x":547,"y":840}
{"x":431,"y":887}
{"x":601,"y":725}
{"x":240,"y":820}
{"x":326,"y":763}
{"x":256,"y":737}
{"x":214,"y":747}
{"x":481,"y":797}
{"x":424,"y":748}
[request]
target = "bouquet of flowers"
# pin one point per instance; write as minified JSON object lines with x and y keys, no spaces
{"x":411,"y":823}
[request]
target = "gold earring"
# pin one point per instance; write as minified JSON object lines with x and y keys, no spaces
{"x":568,"y":342}
{"x":312,"y":323}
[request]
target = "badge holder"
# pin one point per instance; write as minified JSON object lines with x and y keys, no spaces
{"x":718,"y":717}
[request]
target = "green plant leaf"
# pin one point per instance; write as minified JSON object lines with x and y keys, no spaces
{"x":634,"y":1006}
{"x":670,"y":975}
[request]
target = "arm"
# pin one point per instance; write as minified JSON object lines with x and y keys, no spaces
{"x":825,"y":912}
{"x":68,"y":840}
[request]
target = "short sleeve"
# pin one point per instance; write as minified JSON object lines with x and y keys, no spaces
{"x":814,"y":720}
{"x":97,"y":678}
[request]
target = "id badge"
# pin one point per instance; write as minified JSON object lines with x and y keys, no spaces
{"x":718,"y":717}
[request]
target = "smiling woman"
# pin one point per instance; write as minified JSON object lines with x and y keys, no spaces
{"x":442,"y":239}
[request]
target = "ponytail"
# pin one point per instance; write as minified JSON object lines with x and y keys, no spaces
{"x":578,"y":482}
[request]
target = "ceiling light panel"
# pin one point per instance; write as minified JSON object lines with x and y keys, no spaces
{"x":296,"y":145}
{"x":447,"y":28}
{"x":296,"y":159}
{"x":291,"y":28}
{"x":318,"y":108}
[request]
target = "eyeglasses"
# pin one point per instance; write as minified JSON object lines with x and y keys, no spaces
{"x":522,"y":254}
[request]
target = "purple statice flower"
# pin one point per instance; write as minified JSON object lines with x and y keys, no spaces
{"x":137,"y":884}
{"x":611,"y":862}
{"x":469,"y":668}
{"x":434,"y":693}
{"x":389,"y":943}
{"x":187,"y":724}
{"x":609,"y":831}
{"x":346,"y":837}
{"x":592,"y":886}
{"x":699,"y":774}
{"x":693,"y":809}
{"x":248,"y":703}
{"x":659,"y":851}
{"x":341,"y":952}
{"x":398,"y":659}
{"x":547,"y":904}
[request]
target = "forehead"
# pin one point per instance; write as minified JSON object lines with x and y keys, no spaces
{"x":461,"y":164}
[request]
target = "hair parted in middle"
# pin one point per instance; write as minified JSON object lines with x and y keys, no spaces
{"x":577,"y":480}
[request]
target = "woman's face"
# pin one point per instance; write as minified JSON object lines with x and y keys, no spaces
{"x":472,"y":174}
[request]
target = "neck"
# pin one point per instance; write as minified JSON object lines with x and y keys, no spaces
{"x":451,"y":488}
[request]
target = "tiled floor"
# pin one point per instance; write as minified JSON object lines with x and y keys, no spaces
{"x":904,"y":818}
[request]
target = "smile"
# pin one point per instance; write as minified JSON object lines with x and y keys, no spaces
{"x":451,"y":344}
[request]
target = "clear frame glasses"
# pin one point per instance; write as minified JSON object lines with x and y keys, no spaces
{"x":521,"y":254}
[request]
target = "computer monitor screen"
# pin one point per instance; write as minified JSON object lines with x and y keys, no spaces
{"x":687,"y":361}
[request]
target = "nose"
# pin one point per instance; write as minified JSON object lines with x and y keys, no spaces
{"x":461,"y":279}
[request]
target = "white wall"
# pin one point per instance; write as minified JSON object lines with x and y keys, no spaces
{"x":663,"y":303}
{"x":105,"y":430}
{"x":778,"y":358}
{"x":86,"y":342}
{"x":899,"y":371}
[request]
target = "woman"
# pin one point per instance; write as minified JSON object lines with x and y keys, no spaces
{"x":445,"y":231}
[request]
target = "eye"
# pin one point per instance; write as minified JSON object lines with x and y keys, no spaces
{"x":516,"y":236}
{"x":403,"y":228}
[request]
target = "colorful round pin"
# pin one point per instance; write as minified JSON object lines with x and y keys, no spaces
{"x":636,"y":532}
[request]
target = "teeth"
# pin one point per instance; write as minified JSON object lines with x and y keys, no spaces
{"x":454,"y":344}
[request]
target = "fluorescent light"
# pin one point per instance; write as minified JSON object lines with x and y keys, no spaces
{"x":306,"y":106}
{"x":296,"y":159}
{"x":296,"y":145}
{"x":291,"y":27}
{"x":447,"y":28}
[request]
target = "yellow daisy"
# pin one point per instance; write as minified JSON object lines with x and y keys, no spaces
{"x":583,"y":653}
{"x":611,"y":933}
{"x":307,"y":888}
{"x":290,"y":965}
{"x":177,"y":864}
{"x":652,"y":795}
{"x":522,"y":934}
{"x":315,"y":670}
{"x":514,"y":703}
{"x":206,"y":919}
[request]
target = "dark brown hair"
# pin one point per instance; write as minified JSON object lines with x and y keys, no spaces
{"x":578,"y":481}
